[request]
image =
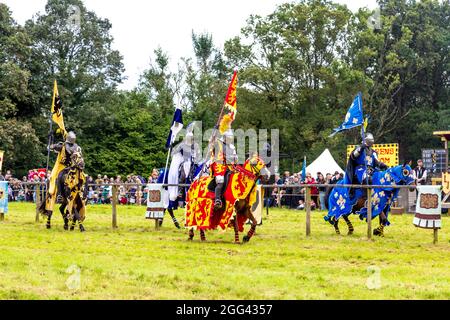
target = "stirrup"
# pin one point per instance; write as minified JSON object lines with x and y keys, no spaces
{"x":218,"y":204}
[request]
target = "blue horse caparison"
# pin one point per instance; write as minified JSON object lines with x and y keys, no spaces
{"x":342,"y":204}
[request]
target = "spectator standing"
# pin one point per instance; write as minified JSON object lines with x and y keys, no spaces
{"x":322,"y":190}
{"x":314,"y":190}
{"x":420,"y":173}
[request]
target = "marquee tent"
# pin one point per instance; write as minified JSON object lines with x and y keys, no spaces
{"x":325,"y":163}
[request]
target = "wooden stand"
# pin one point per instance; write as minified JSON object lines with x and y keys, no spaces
{"x":435,"y":236}
{"x":2,"y":216}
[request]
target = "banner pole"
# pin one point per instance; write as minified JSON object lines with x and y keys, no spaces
{"x":167,"y":164}
{"x":50,"y":138}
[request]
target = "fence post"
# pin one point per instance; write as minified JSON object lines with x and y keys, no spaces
{"x":279,"y":197}
{"x":308,"y":211}
{"x":38,"y":201}
{"x":369,"y":213}
{"x":114,"y":207}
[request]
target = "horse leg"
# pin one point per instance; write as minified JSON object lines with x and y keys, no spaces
{"x":191,"y":234}
{"x":49,"y":220}
{"x":62,"y":209}
{"x":74,"y":222}
{"x":336,"y":226}
{"x":349,"y":224}
{"x":174,"y":219}
{"x":202,"y":235}
{"x":82,"y":229}
{"x":236,"y":231}
{"x":379,"y":231}
{"x":252,"y":230}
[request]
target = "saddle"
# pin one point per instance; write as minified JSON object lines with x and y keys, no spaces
{"x":212,"y":184}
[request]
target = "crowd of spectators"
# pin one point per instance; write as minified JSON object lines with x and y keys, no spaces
{"x":131,"y":190}
{"x":291,"y":194}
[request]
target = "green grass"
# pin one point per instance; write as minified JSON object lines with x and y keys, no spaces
{"x":137,"y":262}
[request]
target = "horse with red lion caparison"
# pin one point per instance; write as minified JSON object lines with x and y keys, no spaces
{"x":239,"y":193}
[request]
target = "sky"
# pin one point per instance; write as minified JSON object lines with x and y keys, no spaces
{"x":141,"y":26}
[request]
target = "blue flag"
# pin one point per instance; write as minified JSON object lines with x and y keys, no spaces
{"x":3,"y":197}
{"x":177,"y":125}
{"x":304,"y":170}
{"x":354,"y":117}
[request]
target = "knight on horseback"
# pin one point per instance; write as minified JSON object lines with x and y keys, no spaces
{"x":67,"y":148}
{"x":185,"y":157}
{"x":224,"y":159}
{"x":67,"y":183}
{"x":363,"y":162}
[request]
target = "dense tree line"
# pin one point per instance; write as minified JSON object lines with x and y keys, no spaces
{"x":300,"y":67}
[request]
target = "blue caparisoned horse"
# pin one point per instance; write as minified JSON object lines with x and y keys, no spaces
{"x":341,"y":202}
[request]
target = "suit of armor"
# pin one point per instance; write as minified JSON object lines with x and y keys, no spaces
{"x":363,"y":162}
{"x":225,"y":156}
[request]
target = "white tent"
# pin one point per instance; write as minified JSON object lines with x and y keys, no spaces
{"x":325,"y":163}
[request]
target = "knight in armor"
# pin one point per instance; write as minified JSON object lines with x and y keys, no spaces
{"x":224,"y":158}
{"x":68,"y":148}
{"x":189,"y":153}
{"x":363,"y":162}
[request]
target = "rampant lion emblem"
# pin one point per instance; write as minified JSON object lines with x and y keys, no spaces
{"x":58,"y":106}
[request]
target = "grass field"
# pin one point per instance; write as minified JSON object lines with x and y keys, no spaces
{"x":137,"y":262}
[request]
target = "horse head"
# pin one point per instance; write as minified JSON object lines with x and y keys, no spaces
{"x":77,"y":161}
{"x":402,"y":174}
{"x":256,"y":165}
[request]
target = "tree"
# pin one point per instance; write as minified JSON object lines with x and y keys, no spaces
{"x":72,"y":45}
{"x":17,"y":137}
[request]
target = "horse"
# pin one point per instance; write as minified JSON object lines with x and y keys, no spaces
{"x":340,"y":203}
{"x":182,"y":179}
{"x":239,"y":194}
{"x":72,"y":190}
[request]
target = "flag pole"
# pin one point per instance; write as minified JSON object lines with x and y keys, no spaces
{"x":50,"y":138}
{"x":167,"y":164}
{"x":363,"y":135}
{"x":50,"y":133}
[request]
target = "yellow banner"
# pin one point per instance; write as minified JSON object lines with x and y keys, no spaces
{"x":387,"y":153}
{"x":57,"y":115}
{"x":1,"y":160}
